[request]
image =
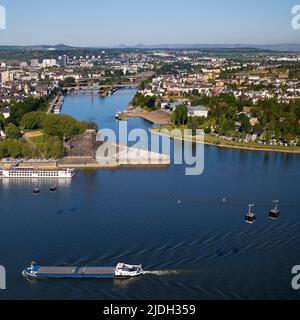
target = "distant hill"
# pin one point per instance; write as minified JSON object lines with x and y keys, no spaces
{"x":38,"y":47}
{"x":56,"y":47}
{"x":62,"y":47}
{"x":273,"y":47}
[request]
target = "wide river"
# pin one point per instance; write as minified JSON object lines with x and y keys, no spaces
{"x":188,"y":231}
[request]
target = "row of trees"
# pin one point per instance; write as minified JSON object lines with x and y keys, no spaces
{"x":56,"y":128}
{"x":15,"y":149}
{"x":48,"y":147}
{"x":274,"y":119}
{"x":62,"y":126}
{"x":19,"y":109}
{"x":174,"y":68}
{"x":147,"y":102}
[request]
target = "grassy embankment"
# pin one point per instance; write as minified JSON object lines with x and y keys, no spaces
{"x":210,"y":140}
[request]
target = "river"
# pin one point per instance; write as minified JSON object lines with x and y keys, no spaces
{"x":188,"y":231}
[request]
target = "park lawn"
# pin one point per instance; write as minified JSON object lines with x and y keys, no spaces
{"x":36,"y":136}
{"x":37,"y":140}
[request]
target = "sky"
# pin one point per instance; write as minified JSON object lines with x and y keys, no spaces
{"x":130,"y":22}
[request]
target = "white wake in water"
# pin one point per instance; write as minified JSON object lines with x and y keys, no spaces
{"x":162,"y":272}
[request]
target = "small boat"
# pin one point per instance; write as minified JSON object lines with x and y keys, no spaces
{"x":118,"y":115}
{"x":53,"y":189}
{"x":36,"y":190}
{"x":274,"y":213}
{"x":250,"y":217}
{"x":121,"y":271}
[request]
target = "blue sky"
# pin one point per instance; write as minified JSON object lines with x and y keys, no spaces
{"x":113,"y":22}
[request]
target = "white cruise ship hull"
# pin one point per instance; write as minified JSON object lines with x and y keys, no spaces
{"x":37,"y":174}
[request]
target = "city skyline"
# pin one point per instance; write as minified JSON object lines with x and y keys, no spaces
{"x":111,"y":24}
{"x":149,"y":151}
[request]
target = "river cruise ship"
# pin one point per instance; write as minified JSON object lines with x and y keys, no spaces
{"x":36,"y":173}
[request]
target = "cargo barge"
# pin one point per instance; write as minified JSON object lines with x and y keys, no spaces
{"x":122,"y":270}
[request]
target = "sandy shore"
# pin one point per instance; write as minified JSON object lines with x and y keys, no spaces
{"x":159,"y":117}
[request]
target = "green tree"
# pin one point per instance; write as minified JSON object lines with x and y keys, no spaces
{"x":193,"y":124}
{"x":85,"y":125}
{"x":142,"y":85}
{"x":151,"y":103}
{"x":268,"y":136}
{"x":53,"y":147}
{"x":12,"y":132}
{"x":19,"y":109}
{"x":63,"y":126}
{"x":14,"y":148}
{"x":3,"y":150}
{"x":245,"y":124}
{"x":258,"y":129}
{"x":69,"y":82}
{"x":226,"y":126}
{"x":181,"y":115}
{"x":28,"y":151}
{"x":2,"y":120}
{"x":33,"y":120}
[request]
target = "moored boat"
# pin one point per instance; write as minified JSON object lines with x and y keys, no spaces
{"x":53,"y":188}
{"x":37,"y":173}
{"x":36,"y":190}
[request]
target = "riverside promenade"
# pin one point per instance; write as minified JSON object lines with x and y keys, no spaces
{"x":117,"y":156}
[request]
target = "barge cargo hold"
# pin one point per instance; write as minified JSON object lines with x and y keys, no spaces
{"x":122,"y":270}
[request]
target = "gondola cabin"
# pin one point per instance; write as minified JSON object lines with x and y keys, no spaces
{"x":250,"y":217}
{"x":274,"y":213}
